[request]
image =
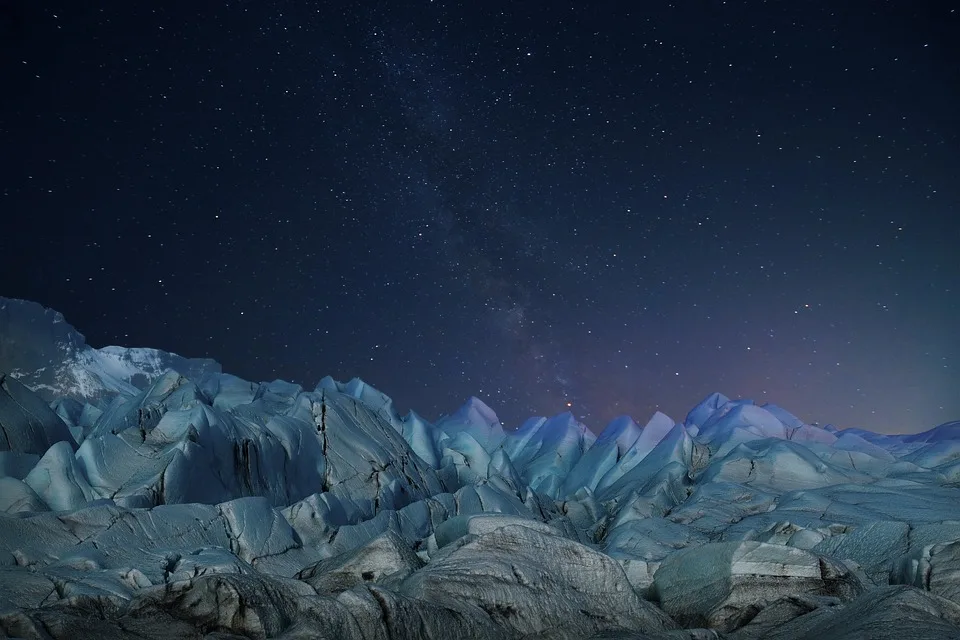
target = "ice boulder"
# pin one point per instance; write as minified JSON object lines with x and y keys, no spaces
{"x":532,"y":582}
{"x":874,"y":546}
{"x":639,"y":573}
{"x":370,"y":611}
{"x":385,"y":556}
{"x":723,"y":585}
{"x":59,"y":481}
{"x":776,"y":464}
{"x":256,"y":529}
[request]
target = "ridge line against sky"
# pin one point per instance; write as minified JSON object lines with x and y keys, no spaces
{"x":622,"y":208}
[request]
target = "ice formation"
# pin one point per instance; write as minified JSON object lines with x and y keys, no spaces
{"x":158,"y":503}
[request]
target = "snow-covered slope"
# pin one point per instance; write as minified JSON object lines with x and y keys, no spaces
{"x":40,"y":349}
{"x":188,"y":505}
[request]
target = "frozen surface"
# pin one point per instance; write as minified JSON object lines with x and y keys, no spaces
{"x":27,"y":424}
{"x":147,"y":495}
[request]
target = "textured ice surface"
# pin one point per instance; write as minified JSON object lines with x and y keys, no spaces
{"x":723,"y":585}
{"x":170,"y":502}
{"x":27,"y":424}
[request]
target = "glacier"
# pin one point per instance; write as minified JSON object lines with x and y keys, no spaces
{"x":146,"y":495}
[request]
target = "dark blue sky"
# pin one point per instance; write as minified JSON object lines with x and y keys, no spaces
{"x":623,"y":206}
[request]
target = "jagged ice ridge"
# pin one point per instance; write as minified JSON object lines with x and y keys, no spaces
{"x":140,"y":499}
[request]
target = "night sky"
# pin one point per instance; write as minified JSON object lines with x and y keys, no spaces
{"x":621,"y":206}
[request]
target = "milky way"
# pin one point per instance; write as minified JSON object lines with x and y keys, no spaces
{"x":617,"y":209}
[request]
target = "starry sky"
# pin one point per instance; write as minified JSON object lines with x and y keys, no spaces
{"x":620,"y":207}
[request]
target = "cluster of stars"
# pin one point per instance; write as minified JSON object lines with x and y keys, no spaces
{"x":551,"y":207}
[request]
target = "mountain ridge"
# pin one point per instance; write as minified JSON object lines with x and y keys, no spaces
{"x":46,"y":353}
